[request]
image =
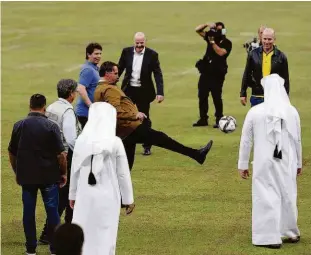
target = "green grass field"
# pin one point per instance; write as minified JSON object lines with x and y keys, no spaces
{"x":182,"y":208}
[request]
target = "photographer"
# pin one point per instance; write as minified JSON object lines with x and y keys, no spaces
{"x":213,"y":69}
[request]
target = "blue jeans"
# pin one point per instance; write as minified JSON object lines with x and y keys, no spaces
{"x":50,"y":198}
{"x":256,"y":100}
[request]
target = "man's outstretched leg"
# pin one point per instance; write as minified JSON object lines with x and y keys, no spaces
{"x":145,"y":134}
{"x":162,"y":140}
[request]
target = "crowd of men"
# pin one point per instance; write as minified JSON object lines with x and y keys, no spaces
{"x":65,"y":152}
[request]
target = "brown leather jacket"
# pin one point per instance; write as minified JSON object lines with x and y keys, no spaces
{"x":127,"y":121}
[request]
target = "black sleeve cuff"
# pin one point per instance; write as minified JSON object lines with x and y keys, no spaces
{"x":243,"y":94}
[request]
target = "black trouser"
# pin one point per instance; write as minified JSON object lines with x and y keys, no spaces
{"x":144,"y":134}
{"x":63,"y":205}
{"x":143,"y":105}
{"x":209,"y":83}
{"x":82,"y":120}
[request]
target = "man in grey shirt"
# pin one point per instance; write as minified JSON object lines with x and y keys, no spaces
{"x":62,"y":113}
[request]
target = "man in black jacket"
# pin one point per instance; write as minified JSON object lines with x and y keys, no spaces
{"x":265,"y":60}
{"x":38,"y":159}
{"x":140,"y":62}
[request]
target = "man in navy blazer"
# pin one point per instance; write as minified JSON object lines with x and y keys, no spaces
{"x":139,"y":62}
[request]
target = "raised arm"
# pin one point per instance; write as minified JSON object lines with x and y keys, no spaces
{"x":200,"y":29}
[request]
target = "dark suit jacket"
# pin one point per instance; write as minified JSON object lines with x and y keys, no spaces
{"x":150,"y":65}
{"x":253,"y":70}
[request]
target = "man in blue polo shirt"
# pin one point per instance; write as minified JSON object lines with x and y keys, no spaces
{"x":88,"y":81}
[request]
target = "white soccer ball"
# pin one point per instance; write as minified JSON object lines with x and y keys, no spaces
{"x":227,"y":124}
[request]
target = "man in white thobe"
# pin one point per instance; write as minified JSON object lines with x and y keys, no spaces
{"x":274,"y":126}
{"x":100,"y":176}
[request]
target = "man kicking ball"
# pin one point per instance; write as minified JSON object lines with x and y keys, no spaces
{"x":132,"y":126}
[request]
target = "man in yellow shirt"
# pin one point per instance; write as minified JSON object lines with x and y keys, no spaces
{"x":265,"y":60}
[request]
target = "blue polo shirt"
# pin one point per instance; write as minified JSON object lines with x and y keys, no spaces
{"x":89,"y":77}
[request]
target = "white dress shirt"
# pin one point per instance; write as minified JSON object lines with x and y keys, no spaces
{"x":69,"y":126}
{"x":136,"y":68}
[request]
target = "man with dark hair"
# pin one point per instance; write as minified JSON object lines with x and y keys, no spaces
{"x":69,"y":239}
{"x":61,"y":112}
{"x":38,"y":159}
{"x":132,"y":125}
{"x":140,"y":62}
{"x":263,"y":61}
{"x":88,"y":80}
{"x":213,"y":69}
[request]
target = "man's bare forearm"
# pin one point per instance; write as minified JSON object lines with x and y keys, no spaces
{"x":218,"y":50}
{"x":83,"y":94}
{"x":62,"y":161}
{"x":200,"y":28}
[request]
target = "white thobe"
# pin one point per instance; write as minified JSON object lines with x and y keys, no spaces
{"x":274,"y":189}
{"x":97,"y":208}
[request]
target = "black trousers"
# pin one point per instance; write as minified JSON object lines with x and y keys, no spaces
{"x":82,"y":120}
{"x":210,"y":84}
{"x":143,"y":105}
{"x":145,"y":134}
{"x":63,"y":205}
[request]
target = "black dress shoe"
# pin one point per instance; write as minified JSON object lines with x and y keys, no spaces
{"x":200,"y":123}
{"x":292,"y":240}
{"x":270,"y":246}
{"x":203,"y":152}
{"x":147,"y":152}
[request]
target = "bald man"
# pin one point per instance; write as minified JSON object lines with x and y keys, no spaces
{"x":263,"y":61}
{"x":139,"y":62}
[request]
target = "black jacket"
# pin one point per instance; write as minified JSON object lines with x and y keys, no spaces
{"x":150,"y":65}
{"x":253,"y":70}
{"x":36,"y":142}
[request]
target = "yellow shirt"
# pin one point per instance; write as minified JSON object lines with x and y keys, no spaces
{"x":266,"y":63}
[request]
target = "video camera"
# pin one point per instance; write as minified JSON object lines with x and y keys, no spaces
{"x":251,"y":45}
{"x":216,"y":34}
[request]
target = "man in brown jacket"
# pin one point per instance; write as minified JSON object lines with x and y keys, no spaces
{"x":132,"y":125}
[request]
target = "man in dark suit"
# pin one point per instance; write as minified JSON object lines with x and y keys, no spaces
{"x":139,"y":62}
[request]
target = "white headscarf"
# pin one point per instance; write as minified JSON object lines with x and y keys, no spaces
{"x":97,"y":138}
{"x":279,"y":110}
